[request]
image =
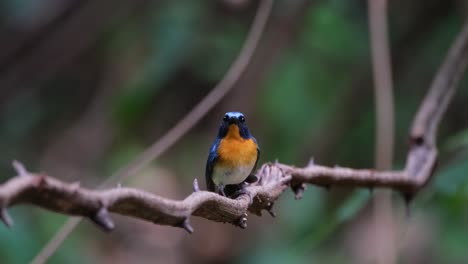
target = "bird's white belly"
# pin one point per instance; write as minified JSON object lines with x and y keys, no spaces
{"x":224,"y":176}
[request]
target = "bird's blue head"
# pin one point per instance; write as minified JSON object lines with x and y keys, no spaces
{"x":234,"y":125}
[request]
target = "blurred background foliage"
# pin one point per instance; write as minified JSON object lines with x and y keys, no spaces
{"x":87,"y":85}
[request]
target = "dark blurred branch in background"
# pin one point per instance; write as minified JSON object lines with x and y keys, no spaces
{"x":384,"y":228}
{"x":381,"y":65}
{"x":39,"y":59}
{"x":17,"y":46}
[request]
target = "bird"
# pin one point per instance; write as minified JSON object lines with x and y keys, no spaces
{"x":233,"y":157}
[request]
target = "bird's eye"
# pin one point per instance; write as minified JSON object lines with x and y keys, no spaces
{"x":226,"y":118}
{"x":242,"y":119}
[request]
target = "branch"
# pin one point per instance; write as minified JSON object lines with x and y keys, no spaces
{"x":71,"y":199}
{"x":422,"y":156}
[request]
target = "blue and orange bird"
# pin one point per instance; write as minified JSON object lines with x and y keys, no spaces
{"x":233,"y":156}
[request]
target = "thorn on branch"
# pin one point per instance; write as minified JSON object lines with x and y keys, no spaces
{"x":103,"y":219}
{"x":298,"y":189}
{"x":6,"y":218}
{"x":185,"y":224}
{"x":242,"y":221}
{"x":19,"y":168}
{"x":408,"y":198}
{"x":311,"y":162}
{"x":269,"y":209}
{"x":196,"y":187}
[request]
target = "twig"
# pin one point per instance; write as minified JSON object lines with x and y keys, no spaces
{"x":422,"y":156}
{"x":182,"y":127}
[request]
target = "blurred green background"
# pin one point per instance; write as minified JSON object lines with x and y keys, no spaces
{"x":85,"y":86}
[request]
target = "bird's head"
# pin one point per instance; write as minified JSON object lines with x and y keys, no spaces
{"x":233,"y":125}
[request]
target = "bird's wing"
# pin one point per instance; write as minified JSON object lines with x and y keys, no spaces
{"x":252,"y":178}
{"x":212,"y":158}
{"x":256,"y":162}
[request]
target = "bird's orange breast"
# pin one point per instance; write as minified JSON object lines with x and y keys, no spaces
{"x":235,"y":151}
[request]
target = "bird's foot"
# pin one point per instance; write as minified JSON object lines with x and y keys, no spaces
{"x":251,"y":179}
{"x":243,"y":191}
{"x":221,"y":190}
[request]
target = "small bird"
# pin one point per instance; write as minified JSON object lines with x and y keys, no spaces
{"x":233,"y":156}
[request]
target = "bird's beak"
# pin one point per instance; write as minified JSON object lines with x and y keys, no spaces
{"x":233,"y":120}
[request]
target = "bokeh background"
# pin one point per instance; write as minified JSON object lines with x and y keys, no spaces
{"x":85,"y":86}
